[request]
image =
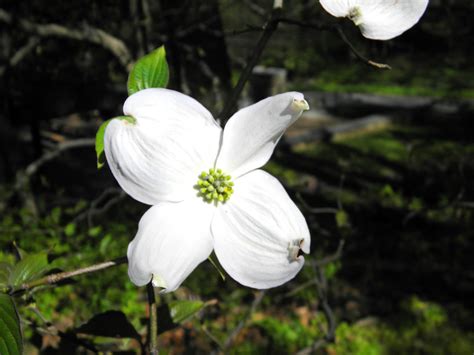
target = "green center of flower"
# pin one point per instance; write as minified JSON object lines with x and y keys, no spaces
{"x":214,"y":186}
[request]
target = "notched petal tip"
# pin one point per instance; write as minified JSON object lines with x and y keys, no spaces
{"x":296,"y":249}
{"x":299,"y":105}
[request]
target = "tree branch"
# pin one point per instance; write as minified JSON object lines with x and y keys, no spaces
{"x":87,"y":34}
{"x":230,"y":339}
{"x":268,"y":30}
{"x":337,"y":28}
{"x":20,"y":54}
{"x":55,"y":278}
{"x":22,"y":183}
{"x":321,"y":286}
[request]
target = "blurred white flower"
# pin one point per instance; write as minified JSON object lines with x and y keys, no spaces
{"x":378,"y":19}
{"x":206,"y":189}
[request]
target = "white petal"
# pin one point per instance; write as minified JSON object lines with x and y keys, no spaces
{"x":251,"y":134}
{"x":379,"y":19}
{"x":385,"y":19}
{"x":172,"y":239}
{"x":337,"y":8}
{"x":259,"y":231}
{"x":160,"y":157}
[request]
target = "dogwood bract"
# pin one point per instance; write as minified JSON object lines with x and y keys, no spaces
{"x":206,"y":189}
{"x":378,"y":19}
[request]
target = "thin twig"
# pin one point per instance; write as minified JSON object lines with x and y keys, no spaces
{"x":233,"y":334}
{"x":334,"y":257}
{"x":313,"y":26}
{"x":269,"y":28}
{"x":22,"y":183}
{"x":33,"y":167}
{"x":108,"y":198}
{"x":321,"y":287}
{"x":153,"y":320}
{"x":358,"y":54}
{"x":337,"y":28}
{"x":20,"y":54}
{"x":255,"y":8}
{"x":212,"y":337}
{"x":55,"y":278}
{"x":319,"y":210}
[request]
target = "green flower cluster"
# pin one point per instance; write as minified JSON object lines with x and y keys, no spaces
{"x":214,"y":186}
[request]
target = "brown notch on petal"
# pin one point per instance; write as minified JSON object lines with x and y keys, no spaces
{"x":294,"y":249}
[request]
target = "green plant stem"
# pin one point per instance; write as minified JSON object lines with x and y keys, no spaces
{"x":153,"y":329}
{"x":55,"y":278}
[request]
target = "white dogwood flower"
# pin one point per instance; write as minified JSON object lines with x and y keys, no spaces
{"x":206,"y":189}
{"x":378,"y":19}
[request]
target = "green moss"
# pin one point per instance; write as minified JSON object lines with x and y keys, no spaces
{"x":422,"y":328}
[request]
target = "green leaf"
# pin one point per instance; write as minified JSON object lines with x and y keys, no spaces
{"x":331,"y":269}
{"x":70,"y":229}
{"x":342,"y":219}
{"x":109,"y":324}
{"x":150,"y":71}
{"x":10,"y":332}
{"x":99,"y":144}
{"x":99,"y":138}
{"x":182,"y":310}
{"x":5,"y":271}
{"x":29,"y":268}
{"x":95,"y":231}
{"x":55,"y":215}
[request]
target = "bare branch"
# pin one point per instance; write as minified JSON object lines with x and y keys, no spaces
{"x":269,"y":28}
{"x":55,"y":278}
{"x":255,"y":8}
{"x":22,"y":183}
{"x":24,"y":177}
{"x":334,"y":257}
{"x":320,"y":210}
{"x":87,"y":34}
{"x":358,"y":54}
{"x":21,"y":54}
{"x":233,"y":334}
{"x":338,"y":30}
{"x":321,"y":286}
{"x":108,"y":198}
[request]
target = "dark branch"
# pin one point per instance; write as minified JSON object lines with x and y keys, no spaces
{"x":358,"y":54}
{"x":268,"y":29}
{"x":87,"y":34}
{"x":233,"y":334}
{"x":153,"y":321}
{"x":55,"y":278}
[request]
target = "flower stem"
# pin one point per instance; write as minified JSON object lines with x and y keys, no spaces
{"x":55,"y":278}
{"x":153,"y":329}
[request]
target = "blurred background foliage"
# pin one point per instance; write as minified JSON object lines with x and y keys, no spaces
{"x":390,"y":209}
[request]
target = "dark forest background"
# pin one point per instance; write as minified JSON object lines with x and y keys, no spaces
{"x":382,"y":167}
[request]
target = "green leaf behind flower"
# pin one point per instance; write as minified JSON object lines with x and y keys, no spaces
{"x":150,"y":71}
{"x":99,"y":138}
